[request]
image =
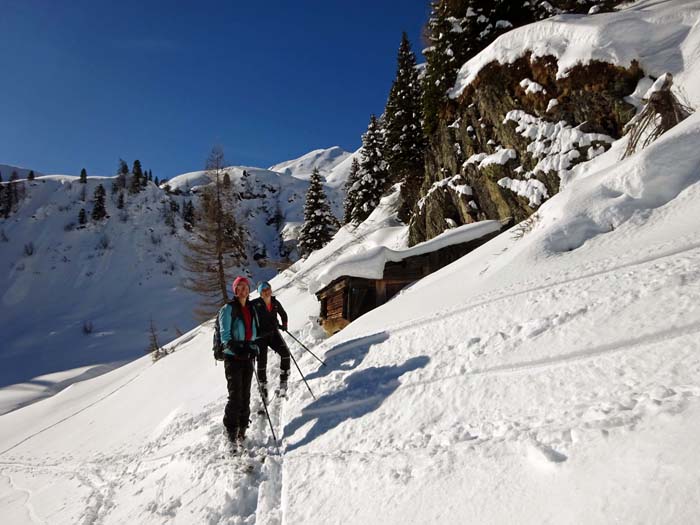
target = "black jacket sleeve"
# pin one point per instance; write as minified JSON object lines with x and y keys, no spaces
{"x":281,"y":312}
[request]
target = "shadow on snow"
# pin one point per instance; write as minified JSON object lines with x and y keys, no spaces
{"x":348,"y":355}
{"x":364,"y":392}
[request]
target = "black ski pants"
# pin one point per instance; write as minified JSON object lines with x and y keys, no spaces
{"x":274,"y":341}
{"x":239,"y":375}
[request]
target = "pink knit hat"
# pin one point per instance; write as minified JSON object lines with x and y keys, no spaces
{"x":240,"y":279}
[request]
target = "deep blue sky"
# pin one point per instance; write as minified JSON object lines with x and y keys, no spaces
{"x":83,"y":83}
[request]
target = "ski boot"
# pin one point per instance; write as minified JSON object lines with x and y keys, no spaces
{"x":282,"y":390}
{"x":263,"y":391}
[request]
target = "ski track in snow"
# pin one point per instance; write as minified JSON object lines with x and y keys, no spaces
{"x":190,"y":447}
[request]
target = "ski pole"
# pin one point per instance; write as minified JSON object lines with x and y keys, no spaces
{"x":305,"y":348}
{"x":302,"y":375}
{"x":267,"y":413}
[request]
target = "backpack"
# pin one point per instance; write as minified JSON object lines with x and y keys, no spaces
{"x":217,"y":347}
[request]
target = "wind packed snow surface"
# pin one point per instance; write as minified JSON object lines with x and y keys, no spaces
{"x":552,"y":377}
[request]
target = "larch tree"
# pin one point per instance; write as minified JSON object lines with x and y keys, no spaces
{"x":217,"y":247}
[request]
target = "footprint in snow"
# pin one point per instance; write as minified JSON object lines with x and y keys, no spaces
{"x":543,"y":455}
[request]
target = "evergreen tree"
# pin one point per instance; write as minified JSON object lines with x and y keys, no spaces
{"x":82,"y":218}
{"x":350,"y":191}
{"x":319,"y":222}
{"x":150,"y":175}
{"x":144,"y":180}
{"x":218,"y":246}
{"x":0,"y":176}
{"x":122,"y":173}
{"x":83,"y":176}
{"x":156,"y":182}
{"x":188,"y":213}
{"x":403,"y":134}
{"x":13,"y":191}
{"x":373,"y":176}
{"x":169,"y":216}
{"x":31,"y":175}
{"x":120,"y":201}
{"x":136,"y":176}
{"x":99,"y":211}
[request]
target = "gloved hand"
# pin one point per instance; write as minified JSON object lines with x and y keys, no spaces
{"x":253,"y":349}
{"x":283,"y":327}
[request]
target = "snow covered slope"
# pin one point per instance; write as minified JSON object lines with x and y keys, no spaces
{"x":78,"y":300}
{"x":6,"y":171}
{"x":115,"y":276}
{"x":333,"y":164}
{"x":323,"y":159}
{"x":121,"y":286}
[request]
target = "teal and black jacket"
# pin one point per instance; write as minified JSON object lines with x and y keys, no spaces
{"x":232,"y":329}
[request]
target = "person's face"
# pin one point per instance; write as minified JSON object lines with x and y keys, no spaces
{"x":242,"y":290}
{"x":266,"y":294}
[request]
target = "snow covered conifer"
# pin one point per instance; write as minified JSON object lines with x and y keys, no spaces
{"x":99,"y":211}
{"x":373,"y":177}
{"x":350,"y":191}
{"x":82,"y":217}
{"x":444,"y":56}
{"x":319,"y":223}
{"x":404,"y":145}
{"x":83,"y":176}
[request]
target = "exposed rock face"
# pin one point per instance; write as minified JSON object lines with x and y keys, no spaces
{"x":504,"y":146}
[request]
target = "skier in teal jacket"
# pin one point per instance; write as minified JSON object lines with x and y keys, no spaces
{"x":239,"y":326}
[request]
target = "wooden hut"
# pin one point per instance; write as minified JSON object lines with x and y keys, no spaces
{"x":348,"y":297}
